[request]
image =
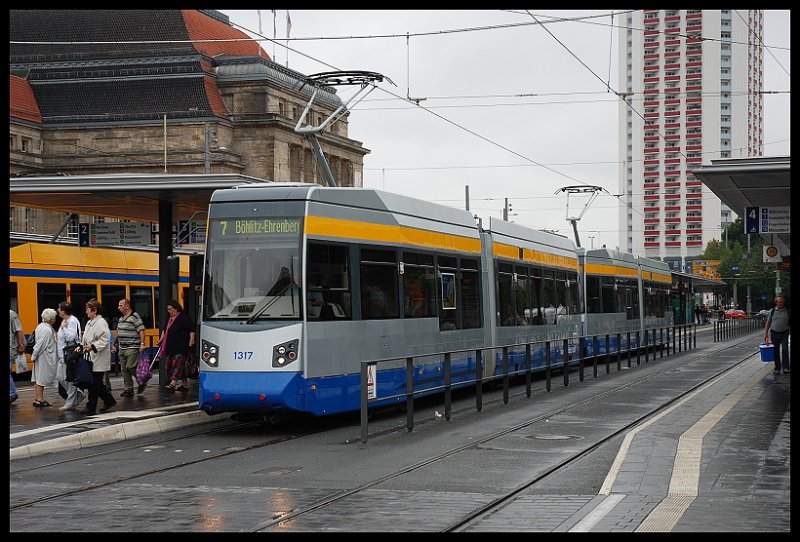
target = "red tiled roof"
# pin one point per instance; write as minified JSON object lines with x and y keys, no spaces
{"x":203,"y":27}
{"x":22,"y":101}
{"x":214,"y":98}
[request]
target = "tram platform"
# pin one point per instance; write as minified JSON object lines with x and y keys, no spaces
{"x":39,"y":430}
{"x":719,"y":461}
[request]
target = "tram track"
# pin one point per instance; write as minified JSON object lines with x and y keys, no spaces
{"x":500,"y":501}
{"x":469,"y":518}
{"x":149,"y":472}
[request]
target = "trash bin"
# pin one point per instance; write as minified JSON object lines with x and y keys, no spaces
{"x":767,"y":352}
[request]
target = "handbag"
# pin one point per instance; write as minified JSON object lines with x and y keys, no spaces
{"x":83,"y":374}
{"x":143,"y":371}
{"x":191,"y":365}
{"x":30,"y":343}
{"x":21,"y":364}
{"x":71,"y":358}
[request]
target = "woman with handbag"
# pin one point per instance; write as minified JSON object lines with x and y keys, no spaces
{"x":175,"y":343}
{"x":44,"y":357}
{"x":69,"y":338}
{"x":96,"y":344}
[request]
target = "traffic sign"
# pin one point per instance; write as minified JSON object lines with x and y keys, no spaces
{"x":772,"y":254}
{"x":372,"y":375}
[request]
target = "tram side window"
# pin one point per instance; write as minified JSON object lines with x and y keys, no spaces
{"x":142,"y":303}
{"x":470,"y":293}
{"x":633,"y":298}
{"x":379,"y":285}
{"x":80,"y":294}
{"x":572,"y":289}
{"x":608,"y":289}
{"x":537,"y":310}
{"x":662,"y":295}
{"x":649,"y":299}
{"x":110,"y":297}
{"x":450,"y":295}
{"x":623,"y":299}
{"x":549,"y":300}
{"x":328,"y":287}
{"x":593,"y":304}
{"x":49,"y":295}
{"x":419,"y":285}
{"x":522,"y":303}
{"x":561,"y":293}
{"x":505,"y":303}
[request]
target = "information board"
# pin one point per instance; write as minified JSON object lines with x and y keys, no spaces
{"x":767,"y":220}
{"x":113,"y":234}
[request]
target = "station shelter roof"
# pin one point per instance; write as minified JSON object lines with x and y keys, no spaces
{"x":751,"y":182}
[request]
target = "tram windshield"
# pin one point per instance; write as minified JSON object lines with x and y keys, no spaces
{"x":253,"y":269}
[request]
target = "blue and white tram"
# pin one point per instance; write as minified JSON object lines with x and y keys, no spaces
{"x":623,"y":293}
{"x":536,"y":293}
{"x":304,"y":282}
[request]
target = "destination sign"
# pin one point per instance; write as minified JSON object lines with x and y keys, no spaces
{"x":257,"y":226}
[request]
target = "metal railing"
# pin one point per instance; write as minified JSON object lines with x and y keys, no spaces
{"x":683,"y":337}
{"x":731,"y":328}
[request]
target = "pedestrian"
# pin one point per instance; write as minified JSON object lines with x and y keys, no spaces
{"x":44,"y":357}
{"x":129,"y":344}
{"x":697,"y":314}
{"x":96,"y":343}
{"x":16,"y":343}
{"x":704,"y":313}
{"x":777,"y":332}
{"x":177,"y":339}
{"x":69,"y":338}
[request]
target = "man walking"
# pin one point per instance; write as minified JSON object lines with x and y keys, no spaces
{"x":16,"y":342}
{"x":777,"y":331}
{"x":129,"y":343}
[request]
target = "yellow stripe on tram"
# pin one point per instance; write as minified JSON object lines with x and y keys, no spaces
{"x":351,"y":229}
{"x":535,"y":256}
{"x":601,"y":269}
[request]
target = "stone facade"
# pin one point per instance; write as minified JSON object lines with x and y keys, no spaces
{"x":254,"y":137}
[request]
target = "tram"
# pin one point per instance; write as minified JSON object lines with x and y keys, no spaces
{"x":43,"y":275}
{"x":302,"y":283}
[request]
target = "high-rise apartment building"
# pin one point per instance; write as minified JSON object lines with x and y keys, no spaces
{"x":693,"y":80}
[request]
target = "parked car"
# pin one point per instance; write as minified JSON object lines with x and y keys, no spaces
{"x":735,"y":314}
{"x":763,"y":314}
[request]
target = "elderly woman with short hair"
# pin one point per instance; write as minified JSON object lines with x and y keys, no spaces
{"x":44,"y":357}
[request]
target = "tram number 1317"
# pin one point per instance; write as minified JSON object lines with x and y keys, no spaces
{"x":242,"y":355}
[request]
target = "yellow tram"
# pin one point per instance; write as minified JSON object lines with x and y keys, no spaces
{"x":43,"y":275}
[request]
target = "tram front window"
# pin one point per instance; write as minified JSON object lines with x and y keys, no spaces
{"x":253,"y":270}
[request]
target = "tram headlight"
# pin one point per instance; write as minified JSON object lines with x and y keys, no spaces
{"x":284,"y":353}
{"x":209,"y":353}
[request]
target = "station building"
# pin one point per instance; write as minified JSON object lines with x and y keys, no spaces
{"x":133,"y":91}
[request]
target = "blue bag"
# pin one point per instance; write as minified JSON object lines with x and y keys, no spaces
{"x":83,"y":374}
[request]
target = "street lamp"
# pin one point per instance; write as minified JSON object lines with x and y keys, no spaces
{"x":592,"y":239}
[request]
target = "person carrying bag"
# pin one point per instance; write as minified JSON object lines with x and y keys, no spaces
{"x":144,"y":371}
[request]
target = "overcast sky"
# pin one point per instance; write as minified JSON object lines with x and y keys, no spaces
{"x":473,"y":127}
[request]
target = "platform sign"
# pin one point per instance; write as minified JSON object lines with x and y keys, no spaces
{"x":767,"y":220}
{"x":750,"y":220}
{"x":191,"y":231}
{"x":113,"y":234}
{"x":372,"y":375}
